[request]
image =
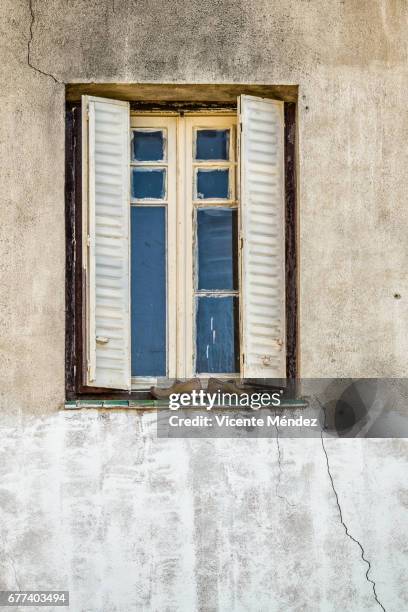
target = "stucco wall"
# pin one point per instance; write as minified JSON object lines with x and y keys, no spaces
{"x":94,"y":502}
{"x":349,"y":60}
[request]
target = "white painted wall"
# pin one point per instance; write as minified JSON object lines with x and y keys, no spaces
{"x":93,"y":502}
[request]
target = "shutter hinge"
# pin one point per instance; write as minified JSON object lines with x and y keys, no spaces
{"x":88,"y":369}
{"x":88,"y":241}
{"x":241,"y":243}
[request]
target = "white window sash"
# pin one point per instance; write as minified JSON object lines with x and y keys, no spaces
{"x":169,"y":123}
{"x":187,"y":331}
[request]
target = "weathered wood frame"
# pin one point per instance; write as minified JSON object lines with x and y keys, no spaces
{"x":192,"y":204}
{"x":169,"y":124}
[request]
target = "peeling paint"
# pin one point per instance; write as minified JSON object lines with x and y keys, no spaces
{"x":280,"y":471}
{"x":126,"y":521}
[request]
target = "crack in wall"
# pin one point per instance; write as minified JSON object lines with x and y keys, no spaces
{"x":30,"y":40}
{"x":11,"y":561}
{"x":278,"y":484}
{"x":348,"y":534}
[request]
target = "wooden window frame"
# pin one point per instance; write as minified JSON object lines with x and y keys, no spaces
{"x":191,"y":205}
{"x":169,"y":123}
{"x":75,"y":359}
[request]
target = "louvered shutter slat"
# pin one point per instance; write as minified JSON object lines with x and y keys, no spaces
{"x":263,"y":233}
{"x":106,"y":168}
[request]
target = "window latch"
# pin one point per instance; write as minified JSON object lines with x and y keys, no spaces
{"x":102,"y":339}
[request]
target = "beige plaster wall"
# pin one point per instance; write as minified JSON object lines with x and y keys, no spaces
{"x":349,"y":60}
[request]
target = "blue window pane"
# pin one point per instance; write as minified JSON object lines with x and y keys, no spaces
{"x":212,"y":184}
{"x":217,"y":248}
{"x":149,"y":183}
{"x":212,"y":144}
{"x":148,"y":290}
{"x":147,"y":146}
{"x":217,"y":335}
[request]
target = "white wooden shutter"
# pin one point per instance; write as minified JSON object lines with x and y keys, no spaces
{"x":263,"y":335}
{"x":106,"y":213}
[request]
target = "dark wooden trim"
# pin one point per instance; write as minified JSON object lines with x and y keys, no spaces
{"x":80,"y":287}
{"x":291,"y":242}
{"x":180,"y":107}
{"x":70,"y":344}
{"x":75,"y":281}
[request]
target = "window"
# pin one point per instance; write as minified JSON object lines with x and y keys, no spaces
{"x":210,"y":222}
{"x":153,"y":247}
{"x":191,"y":220}
{"x":183,"y":243}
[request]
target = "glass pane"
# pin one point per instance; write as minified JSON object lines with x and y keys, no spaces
{"x":217,"y":348}
{"x":148,"y":290}
{"x":212,"y":144}
{"x":149,"y":183}
{"x":212,"y":184}
{"x":148,"y":145}
{"x":217,"y":248}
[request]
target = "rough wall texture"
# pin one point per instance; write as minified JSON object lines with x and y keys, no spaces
{"x":349,"y":60}
{"x":95,"y":503}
